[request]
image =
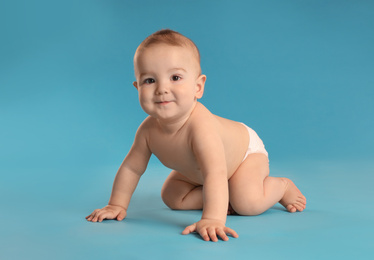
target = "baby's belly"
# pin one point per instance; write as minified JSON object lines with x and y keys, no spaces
{"x":195,"y":179}
{"x":188,"y":167}
{"x":191,"y":173}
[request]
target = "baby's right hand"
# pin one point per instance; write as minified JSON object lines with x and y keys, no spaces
{"x":108,"y":212}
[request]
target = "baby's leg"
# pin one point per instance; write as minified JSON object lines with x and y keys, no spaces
{"x":252,"y":191}
{"x":180,"y":193}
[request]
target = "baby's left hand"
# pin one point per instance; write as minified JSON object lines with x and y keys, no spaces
{"x":209,"y":229}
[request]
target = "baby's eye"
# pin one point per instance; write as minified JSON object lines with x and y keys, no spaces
{"x":175,"y":78}
{"x":149,"y":81}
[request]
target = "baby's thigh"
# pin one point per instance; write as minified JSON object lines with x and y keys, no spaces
{"x":248,"y":180}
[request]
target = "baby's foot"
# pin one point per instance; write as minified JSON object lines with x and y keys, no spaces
{"x":293,"y":200}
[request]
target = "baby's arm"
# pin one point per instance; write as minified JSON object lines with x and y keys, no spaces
{"x":126,"y":180}
{"x":209,"y":151}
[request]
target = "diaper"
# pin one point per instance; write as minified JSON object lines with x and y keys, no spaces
{"x":255,"y":143}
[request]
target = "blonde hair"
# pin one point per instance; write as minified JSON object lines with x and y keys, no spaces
{"x":169,"y":37}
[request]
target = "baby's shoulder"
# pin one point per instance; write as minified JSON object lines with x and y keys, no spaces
{"x":201,"y":114}
{"x":146,"y":126}
{"x":202,"y":120}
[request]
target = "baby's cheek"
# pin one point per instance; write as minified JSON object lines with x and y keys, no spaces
{"x":146,"y":105}
{"x":144,"y":99}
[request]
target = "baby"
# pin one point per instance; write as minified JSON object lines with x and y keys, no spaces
{"x":219,"y":166}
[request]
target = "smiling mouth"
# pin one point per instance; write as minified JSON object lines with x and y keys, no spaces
{"x":163,"y":102}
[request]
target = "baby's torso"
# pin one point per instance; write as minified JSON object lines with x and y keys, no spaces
{"x":175,"y":150}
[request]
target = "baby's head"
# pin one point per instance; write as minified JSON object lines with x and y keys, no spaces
{"x":168,"y":75}
{"x":171,"y":38}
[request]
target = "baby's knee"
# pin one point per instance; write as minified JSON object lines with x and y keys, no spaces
{"x":170,"y":199}
{"x":249,"y":211}
{"x":172,"y":204}
{"x":249,"y":207}
{"x":167,"y":198}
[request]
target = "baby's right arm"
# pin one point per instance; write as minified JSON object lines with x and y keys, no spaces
{"x":126,"y":180}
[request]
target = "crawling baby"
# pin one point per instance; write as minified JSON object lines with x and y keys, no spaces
{"x":219,"y":166}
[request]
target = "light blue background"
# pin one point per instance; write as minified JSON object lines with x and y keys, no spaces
{"x":301,"y":73}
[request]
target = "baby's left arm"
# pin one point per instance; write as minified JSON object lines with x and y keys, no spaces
{"x":209,"y":152}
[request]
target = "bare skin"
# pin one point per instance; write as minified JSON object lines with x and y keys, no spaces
{"x":205,"y":151}
{"x":251,"y":190}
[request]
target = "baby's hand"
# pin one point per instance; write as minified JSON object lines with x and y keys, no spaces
{"x":209,"y":229}
{"x":108,"y":212}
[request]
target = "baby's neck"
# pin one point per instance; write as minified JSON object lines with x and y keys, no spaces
{"x":175,"y":125}
{"x":171,"y":127}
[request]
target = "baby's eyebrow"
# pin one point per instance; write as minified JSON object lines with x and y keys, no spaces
{"x":142,"y":74}
{"x":178,"y":69}
{"x":146,"y":73}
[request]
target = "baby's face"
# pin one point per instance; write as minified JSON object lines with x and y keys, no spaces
{"x":168,"y":81}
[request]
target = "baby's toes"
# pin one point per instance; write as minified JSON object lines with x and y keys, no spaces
{"x":301,"y":200}
{"x":299,"y":206}
{"x":291,"y":208}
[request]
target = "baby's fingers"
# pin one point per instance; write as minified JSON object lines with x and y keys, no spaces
{"x":98,"y":215}
{"x":92,"y":215}
{"x":204,"y":234}
{"x":222,"y":234}
{"x":95,"y":217}
{"x":121,"y":215}
{"x":105,"y":215}
{"x":231,"y":232}
{"x":89,"y":217}
{"x":212,"y":235}
{"x":189,"y":229}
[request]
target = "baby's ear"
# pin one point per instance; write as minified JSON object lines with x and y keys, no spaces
{"x":200,"y":83}
{"x":135,"y":84}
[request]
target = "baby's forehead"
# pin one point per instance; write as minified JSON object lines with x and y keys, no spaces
{"x":187,"y":51}
{"x":183,"y":48}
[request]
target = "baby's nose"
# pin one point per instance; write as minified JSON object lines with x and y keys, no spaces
{"x":162,"y":88}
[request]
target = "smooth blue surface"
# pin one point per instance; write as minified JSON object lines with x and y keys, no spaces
{"x":301,"y":73}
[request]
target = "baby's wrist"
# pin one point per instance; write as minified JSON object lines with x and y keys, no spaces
{"x":223,"y":221}
{"x":116,"y":205}
{"x":214,"y":216}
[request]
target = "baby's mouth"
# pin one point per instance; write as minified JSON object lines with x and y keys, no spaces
{"x":163,"y":102}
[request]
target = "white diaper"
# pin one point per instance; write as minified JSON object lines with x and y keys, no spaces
{"x":255,"y":143}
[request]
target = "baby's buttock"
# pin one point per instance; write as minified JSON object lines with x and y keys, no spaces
{"x":255,"y":143}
